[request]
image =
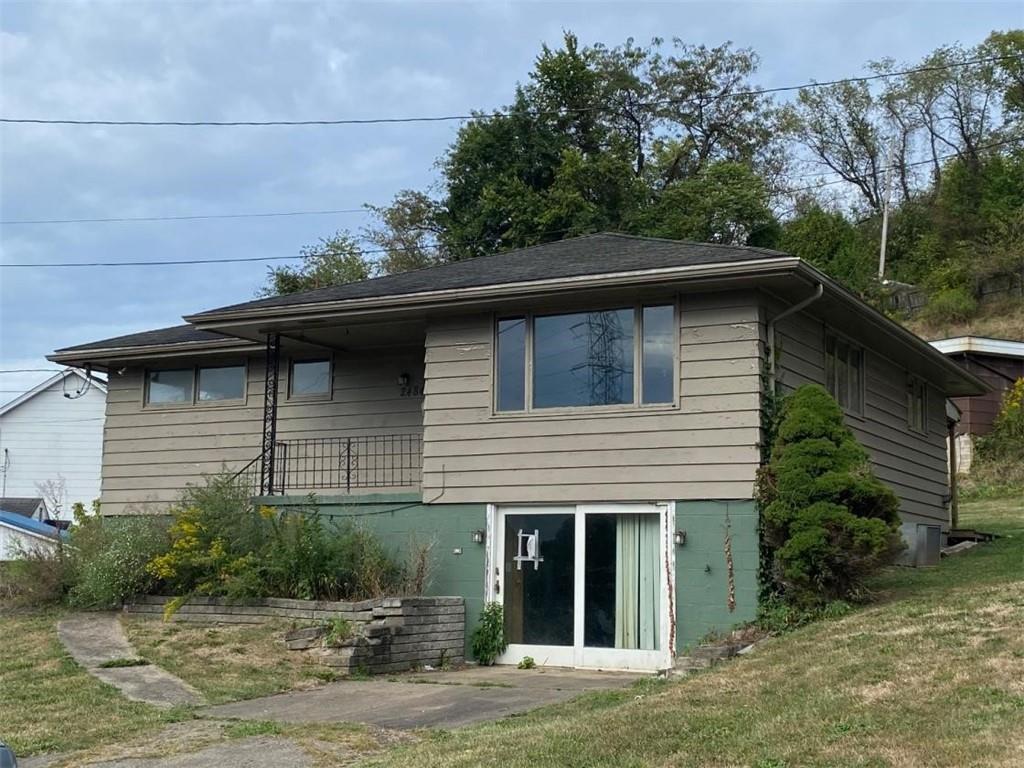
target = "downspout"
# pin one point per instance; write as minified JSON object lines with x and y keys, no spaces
{"x":782,"y":316}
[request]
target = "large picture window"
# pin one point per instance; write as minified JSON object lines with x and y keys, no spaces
{"x":623,"y":356}
{"x":844,"y":373}
{"x":189,"y":386}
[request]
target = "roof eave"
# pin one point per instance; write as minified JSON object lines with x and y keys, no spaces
{"x":972,"y":384}
{"x":455,"y":296}
{"x":182,"y":349}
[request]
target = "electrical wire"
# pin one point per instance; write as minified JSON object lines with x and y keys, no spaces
{"x":499,"y":113}
{"x":373,"y":251}
{"x":195,"y":217}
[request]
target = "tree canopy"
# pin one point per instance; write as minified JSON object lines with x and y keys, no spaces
{"x":677,"y":140}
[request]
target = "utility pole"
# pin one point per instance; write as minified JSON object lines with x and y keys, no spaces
{"x":887,"y":195}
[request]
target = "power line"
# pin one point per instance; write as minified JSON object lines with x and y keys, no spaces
{"x":373,"y":251}
{"x":33,"y":370}
{"x":495,"y":113}
{"x":195,"y":217}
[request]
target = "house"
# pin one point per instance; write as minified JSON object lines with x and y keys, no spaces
{"x":576,"y":425}
{"x":997,"y":362}
{"x":32,"y":507}
{"x":51,"y":441}
{"x":20,"y":535}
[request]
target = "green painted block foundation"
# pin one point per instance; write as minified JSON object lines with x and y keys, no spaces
{"x":401,"y":519}
{"x":702,"y":578}
{"x":701,"y":587}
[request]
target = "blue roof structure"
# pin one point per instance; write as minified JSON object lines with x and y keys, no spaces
{"x":29,"y":525}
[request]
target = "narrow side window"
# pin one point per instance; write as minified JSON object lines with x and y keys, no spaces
{"x":844,"y":373}
{"x":917,"y":404}
{"x":510,"y":364}
{"x":658,"y":371}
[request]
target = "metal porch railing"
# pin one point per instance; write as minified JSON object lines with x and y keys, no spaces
{"x":348,"y":463}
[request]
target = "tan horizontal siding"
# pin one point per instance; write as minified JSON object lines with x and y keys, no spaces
{"x":704,"y":447}
{"x":151,"y":453}
{"x":912,"y":464}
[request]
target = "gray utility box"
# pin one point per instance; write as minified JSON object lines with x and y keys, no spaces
{"x":924,"y":544}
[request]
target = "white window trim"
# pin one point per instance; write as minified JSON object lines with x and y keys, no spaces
{"x":615,"y":409}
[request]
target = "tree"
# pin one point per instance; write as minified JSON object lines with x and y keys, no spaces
{"x":831,"y":242}
{"x":333,"y":261}
{"x":708,"y":111}
{"x":827,"y":521}
{"x":408,"y":231}
{"x":727,"y":204}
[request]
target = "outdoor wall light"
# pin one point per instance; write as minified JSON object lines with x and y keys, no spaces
{"x":680,"y":538}
{"x":478,"y":536}
{"x":403,"y":380}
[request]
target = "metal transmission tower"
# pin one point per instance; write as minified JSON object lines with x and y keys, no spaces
{"x":605,"y":366}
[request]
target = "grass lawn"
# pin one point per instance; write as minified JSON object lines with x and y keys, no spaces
{"x":931,"y":674}
{"x":228,"y":662}
{"x":50,"y":704}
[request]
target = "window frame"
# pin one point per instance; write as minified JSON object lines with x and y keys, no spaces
{"x":312,"y":397}
{"x":913,"y":383}
{"x":529,"y":316}
{"x":838,"y":337}
{"x":195,"y":401}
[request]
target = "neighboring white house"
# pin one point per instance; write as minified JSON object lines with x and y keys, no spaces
{"x":20,"y":535}
{"x":54,"y":434}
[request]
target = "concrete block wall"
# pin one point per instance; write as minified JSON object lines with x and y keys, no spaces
{"x":388,"y":634}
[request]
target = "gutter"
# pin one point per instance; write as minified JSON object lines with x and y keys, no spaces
{"x":818,"y":292}
{"x":149,"y":350}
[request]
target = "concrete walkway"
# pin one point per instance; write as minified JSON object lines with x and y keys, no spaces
{"x":95,"y":638}
{"x":427,"y":700}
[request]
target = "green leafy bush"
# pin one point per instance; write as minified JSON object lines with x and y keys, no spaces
{"x":36,"y":578}
{"x":950,"y":305}
{"x":827,"y":521}
{"x":220,"y":544}
{"x":1006,"y":440}
{"x":109,"y":558}
{"x":489,"y":636}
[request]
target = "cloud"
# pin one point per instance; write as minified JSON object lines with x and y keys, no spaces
{"x":226,"y":61}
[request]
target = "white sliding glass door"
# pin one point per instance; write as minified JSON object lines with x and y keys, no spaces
{"x":584,"y":585}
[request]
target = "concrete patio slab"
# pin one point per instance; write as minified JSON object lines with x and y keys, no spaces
{"x":427,"y":700}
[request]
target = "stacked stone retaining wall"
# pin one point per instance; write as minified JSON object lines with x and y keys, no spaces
{"x":387,"y":634}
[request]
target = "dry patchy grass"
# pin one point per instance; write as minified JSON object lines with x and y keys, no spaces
{"x":930,"y":675}
{"x":225,"y":662}
{"x":42,"y":691}
{"x":997,"y":320}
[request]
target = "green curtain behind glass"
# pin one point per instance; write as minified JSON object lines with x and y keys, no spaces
{"x":636,"y":582}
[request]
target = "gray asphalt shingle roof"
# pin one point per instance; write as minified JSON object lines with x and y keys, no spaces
{"x":20,"y":505}
{"x":176,"y":334}
{"x":587,"y":255}
{"x":597,"y":254}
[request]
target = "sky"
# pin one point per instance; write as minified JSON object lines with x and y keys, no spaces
{"x":292,"y":61}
